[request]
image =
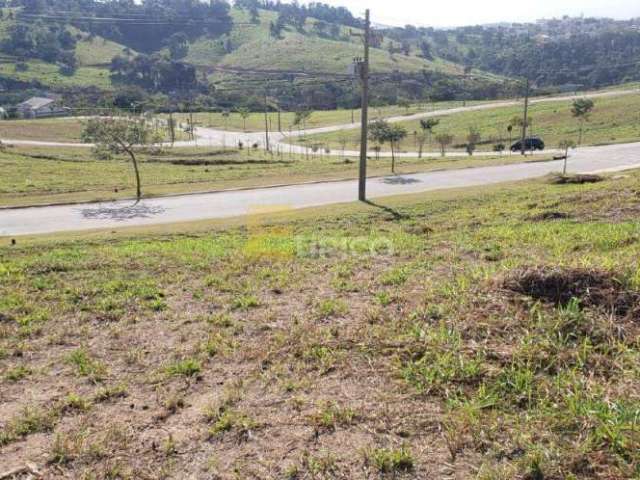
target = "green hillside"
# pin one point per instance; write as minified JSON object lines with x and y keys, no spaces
{"x":92,"y":54}
{"x":95,"y":50}
{"x":249,"y":47}
{"x":252,"y":47}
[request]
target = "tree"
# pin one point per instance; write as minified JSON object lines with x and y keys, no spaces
{"x":565,"y":145}
{"x":420,"y":141}
{"x":171,"y":126}
{"x":581,"y":110}
{"x":382,"y":132}
{"x":301,"y":117}
{"x":444,"y":140}
{"x":343,"y":143}
{"x":377,"y":149}
{"x":473,"y":138}
{"x":404,"y":103}
{"x":425,"y":50}
{"x":510,"y":131}
{"x":178,"y":46}
{"x":255,"y":15}
{"x":428,"y":125}
{"x":499,"y":148}
{"x":244,"y":113}
{"x":117,"y":137}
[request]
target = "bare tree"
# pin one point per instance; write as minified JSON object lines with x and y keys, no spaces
{"x":473,"y":138}
{"x":118,"y":137}
{"x":244,"y":114}
{"x":566,"y":145}
{"x":444,"y":140}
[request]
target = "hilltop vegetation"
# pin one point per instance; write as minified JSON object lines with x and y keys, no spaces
{"x":187,"y":51}
{"x":583,"y":52}
{"x":172,"y":53}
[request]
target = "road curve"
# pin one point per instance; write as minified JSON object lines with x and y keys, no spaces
{"x":181,"y":208}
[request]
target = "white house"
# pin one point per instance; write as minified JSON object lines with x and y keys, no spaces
{"x":39,"y":107}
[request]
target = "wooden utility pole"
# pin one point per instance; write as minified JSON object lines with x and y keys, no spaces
{"x":525,"y":120}
{"x":364,"y":74}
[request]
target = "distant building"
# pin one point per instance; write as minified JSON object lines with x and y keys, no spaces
{"x":41,"y":107}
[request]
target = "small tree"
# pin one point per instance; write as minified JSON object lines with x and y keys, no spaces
{"x":244,"y":114}
{"x":379,"y":132}
{"x":473,"y":137}
{"x":377,"y":149}
{"x":444,"y":140}
{"x":301,"y":117}
{"x":178,"y":46}
{"x":404,"y":103}
{"x":581,"y":110}
{"x":499,"y":148}
{"x":343,"y":143}
{"x":510,"y":132}
{"x":565,"y":145}
{"x":171,"y":126}
{"x":382,"y":132}
{"x":428,"y":125}
{"x":421,"y":139}
{"x":397,"y":133}
{"x":118,"y":137}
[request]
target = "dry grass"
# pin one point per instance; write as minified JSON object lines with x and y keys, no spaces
{"x":287,"y":350}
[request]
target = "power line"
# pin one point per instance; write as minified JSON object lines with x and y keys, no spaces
{"x":126,"y":20}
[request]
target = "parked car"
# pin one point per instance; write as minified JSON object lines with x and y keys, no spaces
{"x":530,"y":143}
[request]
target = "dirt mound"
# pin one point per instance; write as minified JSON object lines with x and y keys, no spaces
{"x":574,"y":179}
{"x":592,"y":288}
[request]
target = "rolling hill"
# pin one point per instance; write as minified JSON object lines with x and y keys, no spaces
{"x":228,"y":59}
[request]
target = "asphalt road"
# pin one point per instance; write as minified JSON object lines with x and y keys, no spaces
{"x":39,"y":220}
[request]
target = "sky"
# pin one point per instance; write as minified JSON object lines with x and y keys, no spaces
{"x":472,"y":12}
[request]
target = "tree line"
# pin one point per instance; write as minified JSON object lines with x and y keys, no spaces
{"x":158,"y":20}
{"x":579,"y":52}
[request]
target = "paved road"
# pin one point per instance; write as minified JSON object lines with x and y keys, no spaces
{"x":182,"y":208}
{"x":211,"y":137}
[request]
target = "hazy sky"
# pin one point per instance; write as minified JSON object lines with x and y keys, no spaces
{"x":471,"y":12}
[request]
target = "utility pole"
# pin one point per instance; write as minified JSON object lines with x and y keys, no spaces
{"x":364,"y":75}
{"x":525,"y":120}
{"x":266,"y":121}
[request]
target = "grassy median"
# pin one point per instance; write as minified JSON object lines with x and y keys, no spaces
{"x":36,"y":175}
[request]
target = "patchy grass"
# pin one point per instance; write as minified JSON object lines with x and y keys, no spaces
{"x":493,"y":341}
{"x":50,"y":129}
{"x":48,"y":74}
{"x":284,"y":121}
